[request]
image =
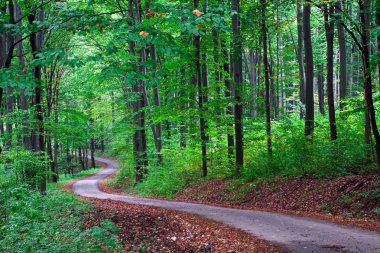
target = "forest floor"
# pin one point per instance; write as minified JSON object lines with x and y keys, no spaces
{"x":349,"y":200}
{"x":153,"y":229}
{"x":294,"y":233}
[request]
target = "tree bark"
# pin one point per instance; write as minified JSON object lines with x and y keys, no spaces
{"x":329,"y":29}
{"x":321,"y":91}
{"x":36,"y":42}
{"x":364,"y":6}
{"x":156,"y":98}
{"x":227,"y":94}
{"x":300,"y":57}
{"x":267,"y":77}
{"x":238,"y":85}
{"x":139,"y":136}
{"x":202,"y":123}
{"x":309,"y":75}
{"x":342,"y":59}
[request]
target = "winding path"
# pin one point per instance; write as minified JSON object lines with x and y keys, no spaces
{"x":297,"y":234}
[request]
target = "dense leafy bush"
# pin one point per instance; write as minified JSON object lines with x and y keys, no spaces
{"x":31,"y":222}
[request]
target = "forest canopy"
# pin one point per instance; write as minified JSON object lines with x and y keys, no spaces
{"x":180,"y":90}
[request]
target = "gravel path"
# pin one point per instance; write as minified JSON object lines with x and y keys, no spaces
{"x":297,"y":234}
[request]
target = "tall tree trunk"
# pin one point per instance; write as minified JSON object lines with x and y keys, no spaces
{"x":321,"y":91}
{"x":272,"y":92}
{"x":156,"y":96}
{"x":300,"y":56}
{"x":252,"y":80}
{"x":36,"y":42}
{"x":26,"y":140}
{"x":9,"y":109}
{"x":227,"y":94}
{"x":329,"y":28}
{"x":56,"y":141}
{"x":80,"y":158}
{"x":267,"y":78}
{"x":182,"y":124}
{"x":309,"y":69}
{"x":342,"y":58}
{"x":364,"y":6}
{"x":139,"y":137}
{"x":7,"y":48}
{"x":202,"y":123}
{"x":278,"y":72}
{"x":238,"y":85}
{"x":92,"y":147}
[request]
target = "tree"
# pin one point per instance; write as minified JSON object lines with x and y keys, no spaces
{"x":237,"y":70}
{"x":266,"y":76}
{"x":36,"y":42}
{"x":342,"y":57}
{"x":329,"y":28}
{"x":201,"y":97}
{"x":299,"y":53}
{"x":309,"y":71}
{"x":364,"y":6}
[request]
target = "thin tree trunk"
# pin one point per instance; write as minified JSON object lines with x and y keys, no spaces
{"x":321,"y":90}
{"x":272,"y":92}
{"x":36,"y":42}
{"x":309,"y":93}
{"x":56,"y":141}
{"x":139,"y":138}
{"x":278,"y":74}
{"x":267,"y":77}
{"x":238,"y":85}
{"x":26,"y":140}
{"x":9,"y":109}
{"x":80,"y":158}
{"x":227,"y":94}
{"x":364,"y":6}
{"x":156,"y":96}
{"x":329,"y":28}
{"x":202,"y":123}
{"x":342,"y":59}
{"x":299,"y":56}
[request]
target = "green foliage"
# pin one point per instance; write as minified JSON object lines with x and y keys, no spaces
{"x":294,"y":155}
{"x":19,"y":165}
{"x":68,"y":177}
{"x":31,"y":222}
{"x":165,"y":179}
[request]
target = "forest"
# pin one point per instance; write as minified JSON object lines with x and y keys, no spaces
{"x":182,"y":94}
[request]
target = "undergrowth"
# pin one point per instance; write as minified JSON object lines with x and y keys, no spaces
{"x":31,"y":222}
{"x":68,"y":177}
{"x":292,"y":156}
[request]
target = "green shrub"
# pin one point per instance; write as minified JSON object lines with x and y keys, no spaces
{"x":31,"y":222}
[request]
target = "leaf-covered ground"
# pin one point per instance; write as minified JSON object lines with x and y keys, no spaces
{"x":353,"y":199}
{"x":151,"y":229}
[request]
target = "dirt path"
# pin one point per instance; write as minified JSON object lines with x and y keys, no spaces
{"x":297,"y":234}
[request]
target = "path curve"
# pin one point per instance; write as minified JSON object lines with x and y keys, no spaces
{"x":297,"y":234}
